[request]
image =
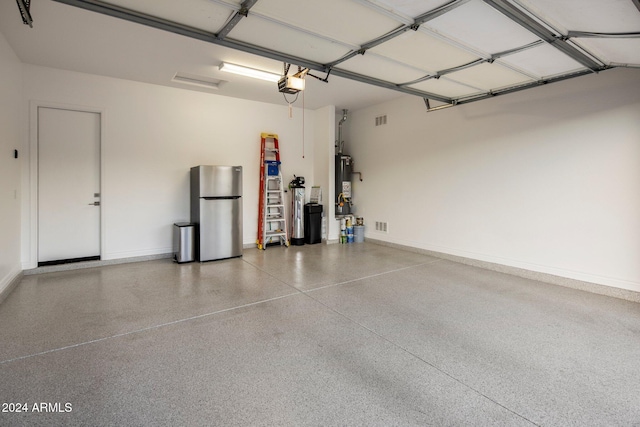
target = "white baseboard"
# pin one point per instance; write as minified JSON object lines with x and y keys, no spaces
{"x":91,"y":264}
{"x":136,"y":254}
{"x":621,"y":292}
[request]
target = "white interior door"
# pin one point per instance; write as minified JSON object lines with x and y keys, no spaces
{"x":68,"y":185}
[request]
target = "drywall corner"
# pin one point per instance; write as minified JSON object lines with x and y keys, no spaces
{"x":9,"y":284}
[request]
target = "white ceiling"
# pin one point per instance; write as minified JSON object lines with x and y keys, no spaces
{"x":470,"y":50}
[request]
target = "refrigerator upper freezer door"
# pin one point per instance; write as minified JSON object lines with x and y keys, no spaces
{"x":220,"y":228}
{"x":216,"y":181}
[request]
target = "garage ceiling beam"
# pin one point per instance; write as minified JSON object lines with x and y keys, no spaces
{"x":526,"y":21}
{"x":173,"y":27}
{"x":447,"y":71}
{"x":242,"y":13}
{"x":525,"y":86}
{"x":603,"y":35}
{"x":479,"y":61}
{"x":220,"y":39}
{"x":24,"y":5}
{"x":425,"y":17}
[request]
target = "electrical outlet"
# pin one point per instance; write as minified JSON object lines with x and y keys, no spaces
{"x":382,"y":226}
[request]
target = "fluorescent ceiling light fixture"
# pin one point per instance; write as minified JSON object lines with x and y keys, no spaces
{"x":249,"y":72}
{"x":195,"y":80}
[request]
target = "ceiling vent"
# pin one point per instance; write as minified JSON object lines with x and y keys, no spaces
{"x":381,"y":120}
{"x":201,"y":81}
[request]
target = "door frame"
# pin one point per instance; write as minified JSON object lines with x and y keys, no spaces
{"x":30,"y":241}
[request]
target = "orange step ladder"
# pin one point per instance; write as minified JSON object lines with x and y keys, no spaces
{"x":272,"y":222}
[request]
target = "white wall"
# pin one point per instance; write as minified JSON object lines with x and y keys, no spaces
{"x":152,"y":136}
{"x":546,"y":179}
{"x":323,"y":165}
{"x":11,"y":138}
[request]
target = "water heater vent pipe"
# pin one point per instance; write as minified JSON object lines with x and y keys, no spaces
{"x":340,"y":141}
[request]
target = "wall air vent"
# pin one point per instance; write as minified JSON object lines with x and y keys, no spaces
{"x":195,"y":80}
{"x":382,"y":226}
{"x":381,"y":120}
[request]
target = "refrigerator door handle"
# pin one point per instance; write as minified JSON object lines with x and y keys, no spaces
{"x":222,"y":198}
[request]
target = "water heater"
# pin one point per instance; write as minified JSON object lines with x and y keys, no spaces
{"x":344,"y":167}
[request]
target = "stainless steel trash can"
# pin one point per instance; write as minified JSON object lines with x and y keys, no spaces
{"x":184,"y":243}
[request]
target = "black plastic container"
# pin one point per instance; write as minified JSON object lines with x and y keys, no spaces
{"x":312,"y":223}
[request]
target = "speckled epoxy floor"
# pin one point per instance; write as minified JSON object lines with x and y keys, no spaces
{"x":356,"y":334}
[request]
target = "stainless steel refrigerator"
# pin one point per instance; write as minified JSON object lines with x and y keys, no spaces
{"x":216,"y":209}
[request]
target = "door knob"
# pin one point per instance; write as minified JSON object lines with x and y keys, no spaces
{"x":94,"y":204}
